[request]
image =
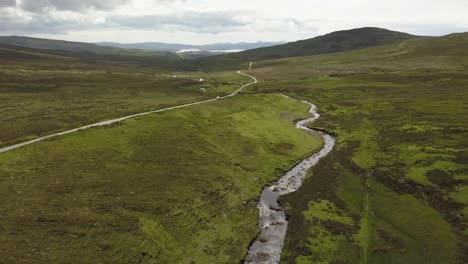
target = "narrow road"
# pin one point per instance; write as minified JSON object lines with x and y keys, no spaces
{"x":116,"y":120}
{"x":273,"y":224}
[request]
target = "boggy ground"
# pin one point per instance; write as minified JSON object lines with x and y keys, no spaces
{"x":395,"y":188}
{"x":175,"y":187}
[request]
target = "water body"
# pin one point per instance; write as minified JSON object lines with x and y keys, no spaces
{"x":269,"y":244}
{"x":215,"y":51}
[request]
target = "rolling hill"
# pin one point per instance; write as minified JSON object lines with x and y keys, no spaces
{"x":33,"y":49}
{"x":71,"y":46}
{"x":334,"y":42}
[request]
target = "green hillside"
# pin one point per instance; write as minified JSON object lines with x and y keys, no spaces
{"x":331,"y":43}
{"x":175,"y":187}
{"x":394,"y":189}
{"x":46,"y":91}
{"x":60,"y":45}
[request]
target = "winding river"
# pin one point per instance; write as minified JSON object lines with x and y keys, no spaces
{"x":273,"y":224}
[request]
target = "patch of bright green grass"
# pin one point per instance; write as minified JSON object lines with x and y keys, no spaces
{"x":326,"y":210}
{"x":408,"y":231}
{"x":460,"y":194}
{"x":174,"y":187}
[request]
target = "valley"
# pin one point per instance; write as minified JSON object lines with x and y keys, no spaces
{"x":207,"y":160}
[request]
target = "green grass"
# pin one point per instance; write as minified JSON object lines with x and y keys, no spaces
{"x":339,"y":41}
{"x":181,"y":186}
{"x":175,"y":187}
{"x":399,"y":167}
{"x":68,"y":46}
{"x":42,"y":95}
{"x":403,"y":225}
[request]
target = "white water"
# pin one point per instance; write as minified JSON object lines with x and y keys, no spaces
{"x":268,"y":246}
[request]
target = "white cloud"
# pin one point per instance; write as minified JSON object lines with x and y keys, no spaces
{"x":7,"y":3}
{"x":71,"y":5}
{"x":207,"y":22}
{"x":204,"y":21}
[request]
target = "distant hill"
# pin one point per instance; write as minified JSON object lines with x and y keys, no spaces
{"x":14,"y":54}
{"x":421,"y":54}
{"x":60,"y":56}
{"x":159,"y":46}
{"x":60,"y":45}
{"x":338,"y":41}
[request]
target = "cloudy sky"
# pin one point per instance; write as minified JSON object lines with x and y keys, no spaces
{"x":209,"y":21}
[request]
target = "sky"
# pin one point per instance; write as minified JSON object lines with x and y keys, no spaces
{"x":210,"y":21}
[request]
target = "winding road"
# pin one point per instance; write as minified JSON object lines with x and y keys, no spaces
{"x":273,"y":224}
{"x":117,"y":120}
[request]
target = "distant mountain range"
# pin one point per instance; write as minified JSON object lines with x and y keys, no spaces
{"x":202,"y":55}
{"x":217,"y":47}
{"x":136,"y":49}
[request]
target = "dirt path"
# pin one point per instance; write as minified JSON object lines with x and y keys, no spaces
{"x":116,"y":120}
{"x":269,"y":244}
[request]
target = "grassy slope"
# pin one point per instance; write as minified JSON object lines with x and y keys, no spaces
{"x":394,"y":190}
{"x":334,"y":42}
{"x":176,"y":187}
{"x":43,"y":93}
{"x":50,"y":44}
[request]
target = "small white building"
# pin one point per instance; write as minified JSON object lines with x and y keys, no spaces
{"x":201,"y":80}
{"x":203,"y":89}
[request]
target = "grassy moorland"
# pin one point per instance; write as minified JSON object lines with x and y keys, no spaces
{"x":181,"y":186}
{"x":174,"y":187}
{"x":71,"y":46}
{"x":339,"y":41}
{"x":42,"y":93}
{"x":395,"y":188}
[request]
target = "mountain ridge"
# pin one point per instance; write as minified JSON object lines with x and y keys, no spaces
{"x":338,"y":41}
{"x":72,"y":46}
